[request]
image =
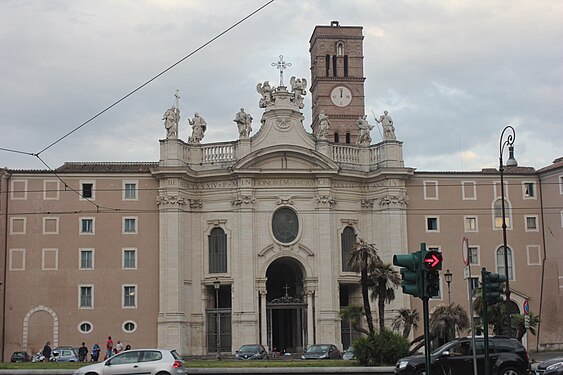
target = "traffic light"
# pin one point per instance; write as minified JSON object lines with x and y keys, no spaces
{"x":411,"y":272}
{"x":432,"y":263}
{"x":492,"y":289}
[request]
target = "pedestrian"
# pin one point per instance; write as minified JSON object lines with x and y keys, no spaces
{"x":47,"y":351}
{"x":95,"y":352}
{"x":127,"y":347}
{"x":82,"y":353}
{"x":109,"y":347}
{"x":119,"y":346}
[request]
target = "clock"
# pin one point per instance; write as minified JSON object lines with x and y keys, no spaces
{"x":341,"y":96}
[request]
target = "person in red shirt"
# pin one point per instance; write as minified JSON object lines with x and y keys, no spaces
{"x":109,"y":347}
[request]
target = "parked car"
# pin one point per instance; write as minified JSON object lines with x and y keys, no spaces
{"x":507,"y":356}
{"x":138,"y":361}
{"x":65,"y":354}
{"x":20,"y":357}
{"x":252,"y":351}
{"x":322,"y":351}
{"x":552,"y":366}
{"x":349,"y":354}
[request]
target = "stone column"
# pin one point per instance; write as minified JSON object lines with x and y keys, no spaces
{"x":263,"y":320}
{"x":310,"y":319}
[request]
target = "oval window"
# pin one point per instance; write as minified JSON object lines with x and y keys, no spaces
{"x":129,"y":326}
{"x":285,"y":225}
{"x":85,"y":327}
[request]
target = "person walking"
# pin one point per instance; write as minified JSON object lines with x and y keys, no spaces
{"x":95,"y":352}
{"x":83,"y":353}
{"x":109,"y":347}
{"x":47,"y":351}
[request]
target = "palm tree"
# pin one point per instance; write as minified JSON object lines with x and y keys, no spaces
{"x":407,"y":319}
{"x":353,"y":314}
{"x":445,"y":322}
{"x":385,"y":279}
{"x":362,"y":257}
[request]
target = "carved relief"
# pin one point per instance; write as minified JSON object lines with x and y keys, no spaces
{"x":170,"y":200}
{"x":393,"y":200}
{"x":326,"y":200}
{"x":367,"y":202}
{"x":196,"y":203}
{"x":283,"y":123}
{"x":243,"y":199}
{"x":282,"y":201}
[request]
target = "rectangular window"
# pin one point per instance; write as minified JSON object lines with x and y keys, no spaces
{"x":432,"y":224}
{"x":86,"y":259}
{"x":129,"y":190}
{"x":469,"y":190}
{"x":471,"y":224}
{"x":19,"y":190}
{"x":534,"y":255}
{"x":51,"y":189}
{"x":86,"y":297}
{"x":17,"y":259}
{"x":87,"y":190}
{"x":430,"y":190}
{"x":561,"y":185}
{"x":129,"y":258}
{"x":86,"y":226}
{"x":474,"y":255}
{"x":529,"y":190}
{"x":129,"y":296}
{"x":50,"y":259}
{"x":18,"y":225}
{"x":129,"y":225}
{"x":50,"y":225}
{"x":531,"y":223}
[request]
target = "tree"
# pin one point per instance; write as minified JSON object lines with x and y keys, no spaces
{"x":518,"y":323}
{"x":407,"y":319}
{"x":362,"y":257}
{"x":385,"y":280}
{"x":353,"y":314}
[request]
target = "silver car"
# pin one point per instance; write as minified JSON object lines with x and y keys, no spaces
{"x":138,"y":361}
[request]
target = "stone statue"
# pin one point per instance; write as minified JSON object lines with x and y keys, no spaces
{"x":266,"y":91}
{"x":198,"y":129}
{"x":171,"y":118}
{"x":298,"y":86}
{"x":387,"y":123}
{"x":244,"y":123}
{"x":322,"y":133}
{"x":364,"y":128}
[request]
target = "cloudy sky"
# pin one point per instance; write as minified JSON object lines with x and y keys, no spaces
{"x":452,"y":73}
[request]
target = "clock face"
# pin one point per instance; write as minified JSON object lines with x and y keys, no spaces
{"x":341,"y":96}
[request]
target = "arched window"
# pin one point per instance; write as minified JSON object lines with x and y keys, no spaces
{"x":340,"y":49}
{"x":327,"y":65}
{"x":348,"y":238}
{"x":345,"y":65}
{"x":334,"y":71}
{"x":497,"y":209}
{"x":336,"y":138}
{"x":217,"y":251}
{"x":348,"y":138}
{"x":500,"y":263}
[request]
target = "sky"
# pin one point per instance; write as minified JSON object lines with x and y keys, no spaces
{"x":451,"y":73}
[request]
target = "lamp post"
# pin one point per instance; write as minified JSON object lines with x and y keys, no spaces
{"x":217,"y":285}
{"x":511,"y":162}
{"x":448,"y":276}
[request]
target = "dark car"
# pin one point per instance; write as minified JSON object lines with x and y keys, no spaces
{"x":322,"y":351}
{"x":20,"y":357}
{"x":552,"y":366}
{"x":507,"y":356}
{"x":252,"y":351}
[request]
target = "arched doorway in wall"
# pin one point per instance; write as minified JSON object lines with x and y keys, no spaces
{"x":286,"y":306}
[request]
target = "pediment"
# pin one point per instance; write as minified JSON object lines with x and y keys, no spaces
{"x":286,"y":158}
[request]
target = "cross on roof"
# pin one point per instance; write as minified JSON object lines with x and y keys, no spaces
{"x":281,"y":65}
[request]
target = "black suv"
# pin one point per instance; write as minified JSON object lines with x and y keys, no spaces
{"x":507,"y":356}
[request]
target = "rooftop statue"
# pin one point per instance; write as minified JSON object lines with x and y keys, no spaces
{"x":298,"y":86}
{"x":198,"y":129}
{"x":171,"y":118}
{"x":322,"y":133}
{"x":364,"y":138}
{"x":387,"y":123}
{"x":266,"y":91}
{"x":244,"y":123}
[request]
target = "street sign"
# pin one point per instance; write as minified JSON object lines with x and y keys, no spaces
{"x":466,"y":273}
{"x":465,"y":250}
{"x":526,"y":307}
{"x":527,"y":321}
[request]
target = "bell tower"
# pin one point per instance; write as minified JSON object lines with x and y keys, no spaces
{"x":337,"y":75}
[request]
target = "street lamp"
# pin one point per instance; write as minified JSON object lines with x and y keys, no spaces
{"x":448,"y":276}
{"x":217,"y":285}
{"x":511,"y":162}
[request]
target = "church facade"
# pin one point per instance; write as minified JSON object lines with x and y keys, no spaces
{"x":222,"y":244}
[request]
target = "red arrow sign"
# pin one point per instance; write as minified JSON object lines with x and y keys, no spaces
{"x":433,"y":260}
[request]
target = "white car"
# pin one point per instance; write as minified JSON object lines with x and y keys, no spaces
{"x":138,"y":361}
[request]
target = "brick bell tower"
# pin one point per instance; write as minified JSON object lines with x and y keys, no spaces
{"x":337,"y":75}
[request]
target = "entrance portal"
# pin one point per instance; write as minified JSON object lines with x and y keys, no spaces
{"x":286,"y":310}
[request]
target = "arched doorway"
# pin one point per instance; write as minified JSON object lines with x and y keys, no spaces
{"x":286,"y":306}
